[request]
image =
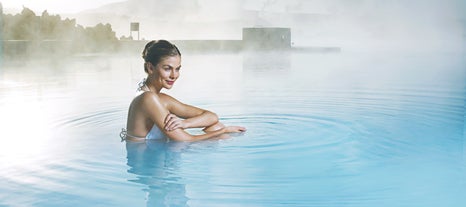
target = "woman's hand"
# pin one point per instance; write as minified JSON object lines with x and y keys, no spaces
{"x":173,"y":122}
{"x":233,"y":129}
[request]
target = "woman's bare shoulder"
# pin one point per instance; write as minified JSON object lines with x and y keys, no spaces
{"x":147,"y":98}
{"x":167,"y":99}
{"x":165,"y":96}
{"x":148,"y":101}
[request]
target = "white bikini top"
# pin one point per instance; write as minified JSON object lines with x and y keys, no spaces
{"x":155,"y":133}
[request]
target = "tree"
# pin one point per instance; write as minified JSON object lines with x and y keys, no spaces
{"x":28,"y":26}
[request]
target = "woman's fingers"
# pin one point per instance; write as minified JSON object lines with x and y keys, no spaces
{"x":242,"y":129}
{"x":168,"y":117}
{"x":235,"y":129}
{"x":172,"y":122}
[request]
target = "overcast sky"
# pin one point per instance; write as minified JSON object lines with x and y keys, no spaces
{"x":55,"y":6}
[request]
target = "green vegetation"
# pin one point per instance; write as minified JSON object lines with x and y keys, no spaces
{"x":53,"y":34}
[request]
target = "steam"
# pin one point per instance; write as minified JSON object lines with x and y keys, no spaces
{"x":415,"y":24}
{"x":349,"y":24}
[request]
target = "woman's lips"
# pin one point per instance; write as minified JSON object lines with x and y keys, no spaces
{"x":170,"y":82}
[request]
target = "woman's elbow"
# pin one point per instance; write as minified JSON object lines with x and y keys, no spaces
{"x":212,"y":117}
{"x":215,"y":118}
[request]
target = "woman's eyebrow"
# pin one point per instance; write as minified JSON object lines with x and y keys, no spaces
{"x":170,"y":66}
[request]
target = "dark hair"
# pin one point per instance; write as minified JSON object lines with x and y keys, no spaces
{"x":158,"y":49}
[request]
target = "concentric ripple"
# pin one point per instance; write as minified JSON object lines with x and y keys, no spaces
{"x":320,"y":133}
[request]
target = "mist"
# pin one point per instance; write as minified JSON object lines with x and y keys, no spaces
{"x":350,"y":24}
{"x":377,"y":119}
{"x":414,"y":25}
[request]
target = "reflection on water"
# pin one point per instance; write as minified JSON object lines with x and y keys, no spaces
{"x":155,"y":165}
{"x":324,"y":129}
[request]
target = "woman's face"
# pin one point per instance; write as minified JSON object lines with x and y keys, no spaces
{"x":167,"y":71}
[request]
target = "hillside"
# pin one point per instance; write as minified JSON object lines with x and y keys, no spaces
{"x":316,"y":22}
{"x":200,"y":19}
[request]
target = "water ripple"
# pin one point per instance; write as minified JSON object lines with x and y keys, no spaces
{"x":100,"y":117}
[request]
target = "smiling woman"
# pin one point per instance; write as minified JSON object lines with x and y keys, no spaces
{"x":155,"y":115}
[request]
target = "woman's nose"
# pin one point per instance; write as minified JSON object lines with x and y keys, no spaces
{"x":173,"y":74}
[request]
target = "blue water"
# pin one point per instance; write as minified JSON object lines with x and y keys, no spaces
{"x":324,"y":129}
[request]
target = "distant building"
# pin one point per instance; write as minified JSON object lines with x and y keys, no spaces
{"x":266,"y":38}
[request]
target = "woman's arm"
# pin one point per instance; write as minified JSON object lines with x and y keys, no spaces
{"x":204,"y":119}
{"x":191,"y":116}
{"x":155,"y":109}
{"x":181,"y":135}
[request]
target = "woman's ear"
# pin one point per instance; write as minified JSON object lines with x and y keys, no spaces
{"x":149,"y":67}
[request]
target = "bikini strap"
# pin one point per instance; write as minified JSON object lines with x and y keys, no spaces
{"x":123,"y":134}
{"x":141,"y":84}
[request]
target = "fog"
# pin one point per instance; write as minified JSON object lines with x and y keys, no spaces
{"x":331,"y":124}
{"x":414,"y":24}
{"x":348,"y":24}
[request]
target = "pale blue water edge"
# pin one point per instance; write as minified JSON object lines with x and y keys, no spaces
{"x":324,"y":129}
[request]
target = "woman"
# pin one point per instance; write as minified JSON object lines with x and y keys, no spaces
{"x":155,"y":115}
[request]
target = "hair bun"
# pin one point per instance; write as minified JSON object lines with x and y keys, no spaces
{"x":156,"y":50}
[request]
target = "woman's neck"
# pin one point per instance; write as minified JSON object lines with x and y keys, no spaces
{"x":151,"y":87}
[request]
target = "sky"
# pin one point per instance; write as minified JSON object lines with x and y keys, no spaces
{"x":349,"y":21}
{"x":55,"y":6}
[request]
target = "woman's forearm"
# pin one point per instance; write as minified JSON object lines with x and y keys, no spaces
{"x":181,"y":135}
{"x":205,"y":119}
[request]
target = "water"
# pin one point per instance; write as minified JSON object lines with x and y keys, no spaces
{"x":324,"y":129}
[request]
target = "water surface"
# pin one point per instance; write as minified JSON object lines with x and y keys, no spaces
{"x":324,"y":129}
